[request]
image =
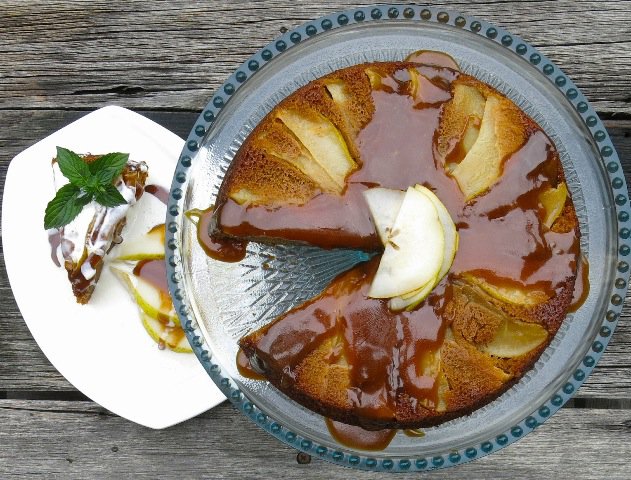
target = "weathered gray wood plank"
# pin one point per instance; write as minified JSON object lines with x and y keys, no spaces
{"x":174,"y":55}
{"x":80,"y":440}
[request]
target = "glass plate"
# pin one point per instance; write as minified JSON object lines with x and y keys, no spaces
{"x":219,"y":302}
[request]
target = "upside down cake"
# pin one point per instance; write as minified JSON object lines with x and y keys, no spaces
{"x":302,"y":176}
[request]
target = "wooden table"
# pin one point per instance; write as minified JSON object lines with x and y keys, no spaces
{"x":59,"y":60}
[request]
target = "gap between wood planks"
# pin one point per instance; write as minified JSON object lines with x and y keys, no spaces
{"x":76,"y":396}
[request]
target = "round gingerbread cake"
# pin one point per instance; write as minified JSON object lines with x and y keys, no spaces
{"x":460,"y":198}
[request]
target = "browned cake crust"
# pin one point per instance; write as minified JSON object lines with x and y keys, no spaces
{"x":325,"y":353}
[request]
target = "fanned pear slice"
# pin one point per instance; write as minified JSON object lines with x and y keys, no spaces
{"x":515,"y":338}
{"x":410,"y":300}
{"x":501,"y":134}
{"x":384,"y":205}
{"x":414,"y":253}
{"x":146,"y":247}
{"x":553,"y":201}
{"x":172,"y":336}
{"x":150,"y":300}
{"x":510,"y":294}
{"x":451,"y":234}
{"x":323,"y":141}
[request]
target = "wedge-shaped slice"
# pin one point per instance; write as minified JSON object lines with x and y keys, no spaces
{"x":149,"y":246}
{"x":151,"y":300}
{"x":508,"y":293}
{"x":384,"y":205}
{"x":502,"y":132}
{"x":460,"y":123}
{"x":323,"y":141}
{"x":515,"y":338}
{"x":280,"y":142}
{"x":172,"y":336}
{"x":414,"y":253}
{"x":553,"y":200}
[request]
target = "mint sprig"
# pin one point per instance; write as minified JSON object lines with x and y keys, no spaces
{"x":94,"y":181}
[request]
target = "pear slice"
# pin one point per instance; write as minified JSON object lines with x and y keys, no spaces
{"x":414,"y":253}
{"x":374,"y":77}
{"x":323,"y":141}
{"x":280,"y":142}
{"x":337,"y":89}
{"x":461,"y":119}
{"x":501,"y":134}
{"x":515,"y":338}
{"x":384,"y":205}
{"x":153,"y":302}
{"x":553,"y":200}
{"x":451,"y":234}
{"x":171,"y":335}
{"x":410,"y":300}
{"x":509,"y":294}
{"x":146,"y":247}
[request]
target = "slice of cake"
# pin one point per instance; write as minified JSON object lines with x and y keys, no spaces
{"x":86,"y":240}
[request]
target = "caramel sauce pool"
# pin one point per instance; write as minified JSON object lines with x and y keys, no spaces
{"x":245,"y":367}
{"x":222,"y":249}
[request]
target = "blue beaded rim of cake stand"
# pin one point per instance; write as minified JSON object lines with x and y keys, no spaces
{"x":394,"y":13}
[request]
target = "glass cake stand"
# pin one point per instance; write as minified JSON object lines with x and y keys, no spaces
{"x":220,"y":302}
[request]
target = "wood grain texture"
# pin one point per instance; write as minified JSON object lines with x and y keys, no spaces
{"x":173,"y":55}
{"x":222,"y":444}
{"x":59,"y":60}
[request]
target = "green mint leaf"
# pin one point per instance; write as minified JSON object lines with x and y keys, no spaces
{"x":73,"y":167}
{"x":67,"y":204}
{"x":93,"y":185}
{"x":109,"y":166}
{"x":109,"y":196}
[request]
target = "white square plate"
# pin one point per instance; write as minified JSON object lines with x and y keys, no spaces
{"x":101,"y":348}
